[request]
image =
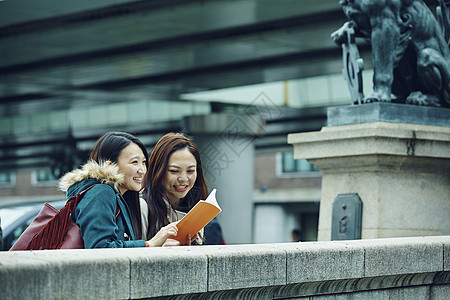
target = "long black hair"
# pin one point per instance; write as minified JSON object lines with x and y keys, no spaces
{"x":108,"y":148}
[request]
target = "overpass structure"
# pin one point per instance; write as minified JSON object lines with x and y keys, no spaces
{"x":64,"y":61}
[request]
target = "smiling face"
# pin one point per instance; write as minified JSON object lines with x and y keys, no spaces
{"x":133,"y":164}
{"x":180,"y":176}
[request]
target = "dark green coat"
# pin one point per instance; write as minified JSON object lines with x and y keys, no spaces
{"x":95,"y":213}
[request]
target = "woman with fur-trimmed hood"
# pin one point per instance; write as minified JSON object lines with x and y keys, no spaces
{"x":109,"y":214}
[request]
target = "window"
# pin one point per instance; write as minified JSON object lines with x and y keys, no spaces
{"x":7,"y":179}
{"x":43,"y":177}
{"x":287,"y":166}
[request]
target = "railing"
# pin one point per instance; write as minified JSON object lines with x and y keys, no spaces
{"x":395,"y":268}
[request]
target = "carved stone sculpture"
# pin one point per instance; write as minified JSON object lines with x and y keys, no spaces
{"x":410,"y":49}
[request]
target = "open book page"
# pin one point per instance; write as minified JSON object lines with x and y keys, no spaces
{"x":197,"y":218}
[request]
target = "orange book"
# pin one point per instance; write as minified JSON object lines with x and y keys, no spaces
{"x":197,"y":218}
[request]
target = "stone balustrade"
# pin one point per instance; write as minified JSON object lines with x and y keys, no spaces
{"x":393,"y":268}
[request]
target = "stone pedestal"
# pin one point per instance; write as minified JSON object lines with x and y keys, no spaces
{"x":401,"y":172}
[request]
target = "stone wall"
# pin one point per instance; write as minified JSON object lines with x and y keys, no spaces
{"x":396,"y":268}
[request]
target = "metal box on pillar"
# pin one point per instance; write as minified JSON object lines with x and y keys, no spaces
{"x":346,"y":219}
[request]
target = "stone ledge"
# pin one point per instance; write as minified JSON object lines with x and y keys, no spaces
{"x":388,"y":112}
{"x":230,"y":269}
{"x":414,"y":286}
{"x":372,"y":139}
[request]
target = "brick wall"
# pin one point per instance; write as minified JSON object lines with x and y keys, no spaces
{"x":24,"y":187}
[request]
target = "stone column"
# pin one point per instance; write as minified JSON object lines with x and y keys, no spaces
{"x":226,"y":144}
{"x":401,"y":172}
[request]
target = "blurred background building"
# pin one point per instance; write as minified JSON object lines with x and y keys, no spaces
{"x":71,"y":71}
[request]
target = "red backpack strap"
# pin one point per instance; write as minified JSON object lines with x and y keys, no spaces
{"x":117,"y":211}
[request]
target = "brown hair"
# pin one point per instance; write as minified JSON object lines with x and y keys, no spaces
{"x":108,"y":148}
{"x":154,"y":190}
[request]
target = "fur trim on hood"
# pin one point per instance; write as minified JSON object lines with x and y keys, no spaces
{"x":107,"y":172}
